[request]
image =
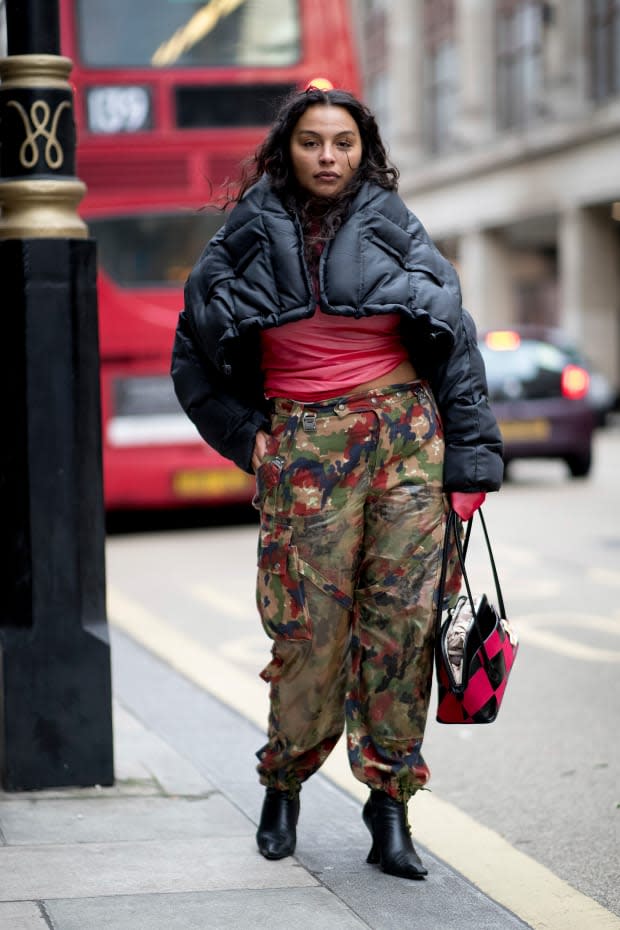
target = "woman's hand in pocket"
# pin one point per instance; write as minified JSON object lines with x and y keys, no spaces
{"x":260,"y":447}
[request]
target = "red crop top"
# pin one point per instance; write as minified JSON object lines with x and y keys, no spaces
{"x":326,"y":356}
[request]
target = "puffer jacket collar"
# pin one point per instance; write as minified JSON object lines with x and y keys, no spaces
{"x":253,"y":273}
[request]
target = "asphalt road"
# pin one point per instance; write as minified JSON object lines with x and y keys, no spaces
{"x":545,"y":776}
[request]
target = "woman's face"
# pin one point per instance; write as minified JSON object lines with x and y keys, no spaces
{"x":326,"y":149}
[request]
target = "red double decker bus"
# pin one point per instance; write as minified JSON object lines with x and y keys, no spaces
{"x":171,"y":95}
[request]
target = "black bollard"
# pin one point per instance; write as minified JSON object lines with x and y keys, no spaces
{"x":55,"y":687}
{"x":33,"y":27}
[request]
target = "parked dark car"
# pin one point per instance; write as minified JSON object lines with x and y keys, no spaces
{"x":541,"y":390}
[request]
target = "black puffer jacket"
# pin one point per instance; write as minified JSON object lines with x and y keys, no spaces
{"x":252,"y":275}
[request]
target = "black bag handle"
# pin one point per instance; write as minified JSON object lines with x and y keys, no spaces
{"x":461,"y":549}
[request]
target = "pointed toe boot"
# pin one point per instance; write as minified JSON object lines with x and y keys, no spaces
{"x":392,"y":848}
{"x":276,"y":835}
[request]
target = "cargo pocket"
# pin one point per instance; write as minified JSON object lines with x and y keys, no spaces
{"x":280,"y":594}
{"x":288,"y":658}
{"x":323,"y":584}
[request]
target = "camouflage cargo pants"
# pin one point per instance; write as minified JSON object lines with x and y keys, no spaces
{"x":352,"y":524}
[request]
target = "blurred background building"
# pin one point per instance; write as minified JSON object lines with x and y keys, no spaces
{"x":504,"y":119}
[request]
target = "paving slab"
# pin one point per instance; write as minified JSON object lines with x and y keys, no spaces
{"x":22,"y":915}
{"x":88,"y":870}
{"x":114,"y":820}
{"x":301,"y":908}
{"x":141,"y":755}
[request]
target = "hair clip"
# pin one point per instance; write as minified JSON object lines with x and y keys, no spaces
{"x":318,"y":83}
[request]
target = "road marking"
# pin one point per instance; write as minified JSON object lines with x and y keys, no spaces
{"x":511,"y":878}
{"x":529,"y":630}
{"x":538,"y":587}
{"x":250,"y":650}
{"x":604,"y":576}
{"x":231,"y":606}
{"x":518,"y":555}
{"x":603,"y":624}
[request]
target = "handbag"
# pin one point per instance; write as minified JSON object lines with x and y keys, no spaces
{"x":475,"y":645}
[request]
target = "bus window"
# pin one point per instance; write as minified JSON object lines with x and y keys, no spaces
{"x":152,"y":250}
{"x":221,"y":106}
{"x":189,"y":33}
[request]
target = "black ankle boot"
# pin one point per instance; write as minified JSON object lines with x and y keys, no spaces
{"x":276,"y":834}
{"x":392,"y":848}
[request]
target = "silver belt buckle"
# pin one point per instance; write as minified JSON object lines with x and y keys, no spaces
{"x":308,"y":422}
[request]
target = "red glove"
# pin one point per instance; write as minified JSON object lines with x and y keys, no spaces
{"x":466,"y":503}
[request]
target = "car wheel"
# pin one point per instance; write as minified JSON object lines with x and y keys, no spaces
{"x":580,"y":464}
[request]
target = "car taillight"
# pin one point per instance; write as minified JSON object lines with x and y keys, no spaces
{"x":575,"y":382}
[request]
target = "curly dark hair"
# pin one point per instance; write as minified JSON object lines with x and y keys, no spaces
{"x":320,"y":218}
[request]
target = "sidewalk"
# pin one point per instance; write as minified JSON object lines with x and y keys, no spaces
{"x":171,"y":846}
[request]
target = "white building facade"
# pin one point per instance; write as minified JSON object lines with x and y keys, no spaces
{"x":503,"y":117}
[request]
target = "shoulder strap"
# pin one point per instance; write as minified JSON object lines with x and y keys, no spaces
{"x":498,"y":590}
{"x":461,"y":549}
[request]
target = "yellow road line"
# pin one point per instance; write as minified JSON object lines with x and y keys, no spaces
{"x":207,"y":669}
{"x":513,"y":879}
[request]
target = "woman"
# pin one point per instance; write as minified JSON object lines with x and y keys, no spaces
{"x":323,"y":346}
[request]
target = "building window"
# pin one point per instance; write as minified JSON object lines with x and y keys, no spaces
{"x":440,"y":74}
{"x":376,"y":76}
{"x":519,"y":43}
{"x":603,"y":29}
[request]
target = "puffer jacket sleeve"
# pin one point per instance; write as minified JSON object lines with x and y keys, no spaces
{"x":224,"y":420}
{"x":473,"y":457}
{"x":222,"y":408}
